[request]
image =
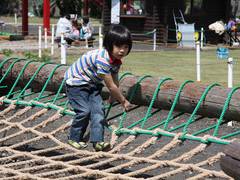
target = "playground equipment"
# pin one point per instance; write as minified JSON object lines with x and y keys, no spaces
{"x":185,"y":33}
{"x":179,"y":133}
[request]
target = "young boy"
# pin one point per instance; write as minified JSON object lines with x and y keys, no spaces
{"x":84,"y":84}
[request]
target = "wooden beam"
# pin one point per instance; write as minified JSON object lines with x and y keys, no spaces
{"x":230,"y":163}
{"x":211,"y":106}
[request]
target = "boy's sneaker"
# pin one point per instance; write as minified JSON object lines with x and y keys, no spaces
{"x":101,"y":146}
{"x":77,"y":145}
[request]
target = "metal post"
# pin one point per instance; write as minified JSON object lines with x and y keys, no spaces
{"x":198,"y":61}
{"x":63,"y":49}
{"x":100,"y":38}
{"x":230,"y":79}
{"x":86,"y":41}
{"x":52,"y":42}
{"x":15,"y":19}
{"x":202,"y":31}
{"x":15,"y":23}
{"x":230,"y":72}
{"x":154,"y":39}
{"x":39,"y":42}
{"x":45,"y":38}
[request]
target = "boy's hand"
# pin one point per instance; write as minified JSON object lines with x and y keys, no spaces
{"x":127,"y":105}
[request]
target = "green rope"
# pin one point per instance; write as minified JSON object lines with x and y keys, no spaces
{"x":172,"y":135}
{"x":131,"y":97}
{"x":20,"y":74}
{"x":153,"y":100}
{"x":9,"y":68}
{"x":192,"y":117}
{"x":46,"y":83}
{"x":111,"y":104}
{"x":59,"y":90}
{"x":215,"y":133}
{"x":176,"y":99}
{"x":30,"y":81}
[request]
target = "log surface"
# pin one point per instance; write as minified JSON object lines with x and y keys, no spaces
{"x":211,"y":107}
{"x":230,"y":163}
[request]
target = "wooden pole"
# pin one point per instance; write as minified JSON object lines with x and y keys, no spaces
{"x":211,"y":107}
{"x":24,"y":17}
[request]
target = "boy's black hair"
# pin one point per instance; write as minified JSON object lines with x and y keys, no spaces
{"x":117,"y":35}
{"x":85,"y":19}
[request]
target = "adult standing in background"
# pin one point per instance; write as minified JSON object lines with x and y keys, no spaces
{"x":64,"y":25}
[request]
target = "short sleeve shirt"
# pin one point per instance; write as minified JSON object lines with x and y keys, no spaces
{"x":88,"y":68}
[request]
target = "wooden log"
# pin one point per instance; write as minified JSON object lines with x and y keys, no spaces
{"x":230,"y":163}
{"x":211,"y":106}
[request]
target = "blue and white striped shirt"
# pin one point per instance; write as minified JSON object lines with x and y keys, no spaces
{"x":87,"y":69}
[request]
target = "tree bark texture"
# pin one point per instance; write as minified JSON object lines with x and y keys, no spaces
{"x":230,"y":163}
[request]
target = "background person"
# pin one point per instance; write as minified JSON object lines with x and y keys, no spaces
{"x":86,"y":31}
{"x":64,"y":25}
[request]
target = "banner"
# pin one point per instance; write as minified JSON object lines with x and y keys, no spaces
{"x":115,"y":12}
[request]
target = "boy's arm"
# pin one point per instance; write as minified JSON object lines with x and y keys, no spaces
{"x":115,"y":91}
{"x":113,"y":88}
{"x":115,"y":79}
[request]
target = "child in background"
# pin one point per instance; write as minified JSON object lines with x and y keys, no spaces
{"x":84,"y":84}
{"x":86,"y":31}
{"x":75,"y":29}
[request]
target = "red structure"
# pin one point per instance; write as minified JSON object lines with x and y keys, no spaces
{"x":85,"y":7}
{"x":46,"y":15}
{"x":24,"y":17}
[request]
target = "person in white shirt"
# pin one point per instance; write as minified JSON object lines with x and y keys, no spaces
{"x":64,"y":25}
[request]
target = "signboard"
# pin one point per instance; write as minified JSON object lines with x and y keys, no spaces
{"x":115,"y":12}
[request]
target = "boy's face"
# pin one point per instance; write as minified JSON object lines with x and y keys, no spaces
{"x":120,"y":51}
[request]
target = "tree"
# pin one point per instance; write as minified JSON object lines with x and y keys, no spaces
{"x":9,"y":6}
{"x":69,"y":8}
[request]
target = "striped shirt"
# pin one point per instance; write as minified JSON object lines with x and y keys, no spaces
{"x":88,"y":68}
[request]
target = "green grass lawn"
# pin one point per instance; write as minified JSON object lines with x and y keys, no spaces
{"x":179,"y":65}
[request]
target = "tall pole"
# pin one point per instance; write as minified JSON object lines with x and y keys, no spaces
{"x":24,"y":17}
{"x":198,"y":68}
{"x":46,"y":15}
{"x":85,"y":7}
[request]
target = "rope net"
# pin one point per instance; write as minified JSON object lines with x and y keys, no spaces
{"x":146,"y":142}
{"x":33,"y":146}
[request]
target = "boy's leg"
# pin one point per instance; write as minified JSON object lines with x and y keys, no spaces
{"x":97,"y":117}
{"x":78,"y":99}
